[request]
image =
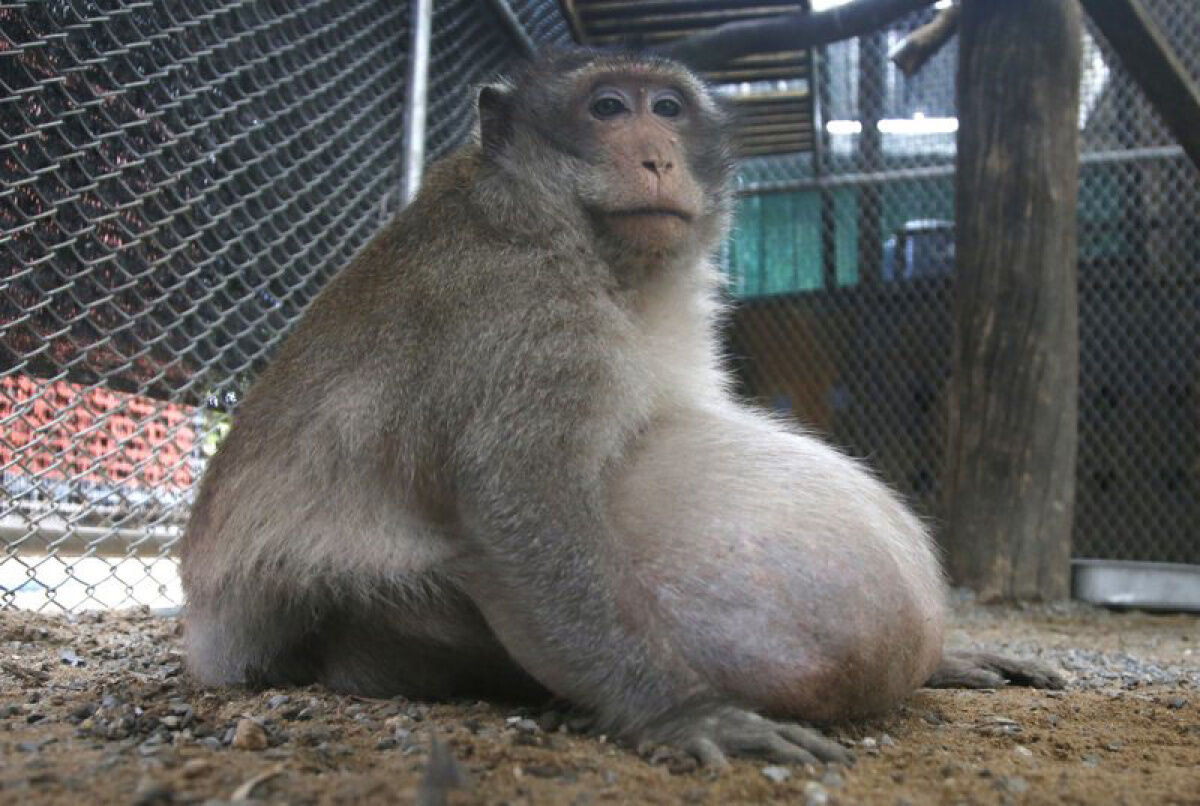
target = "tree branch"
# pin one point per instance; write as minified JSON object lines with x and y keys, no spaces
{"x":716,"y":48}
{"x":920,"y":46}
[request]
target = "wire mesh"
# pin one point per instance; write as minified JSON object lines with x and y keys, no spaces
{"x":843,"y":263}
{"x":179,"y":179}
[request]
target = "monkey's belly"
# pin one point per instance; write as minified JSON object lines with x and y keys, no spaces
{"x":787,"y":575}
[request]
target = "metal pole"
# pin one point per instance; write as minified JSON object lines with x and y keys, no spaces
{"x":416,"y":96}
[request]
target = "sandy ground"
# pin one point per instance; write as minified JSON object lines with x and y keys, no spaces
{"x":98,"y":709}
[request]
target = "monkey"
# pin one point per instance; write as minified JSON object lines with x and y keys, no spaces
{"x":500,"y":456}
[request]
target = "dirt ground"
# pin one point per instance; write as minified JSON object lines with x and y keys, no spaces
{"x":98,"y":708}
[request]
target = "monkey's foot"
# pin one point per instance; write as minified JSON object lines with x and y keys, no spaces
{"x":984,"y":670}
{"x":713,"y":736}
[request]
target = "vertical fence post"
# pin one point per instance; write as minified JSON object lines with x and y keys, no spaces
{"x":416,"y":95}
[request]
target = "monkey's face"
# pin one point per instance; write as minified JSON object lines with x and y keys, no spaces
{"x":635,"y":146}
{"x":642,"y":192}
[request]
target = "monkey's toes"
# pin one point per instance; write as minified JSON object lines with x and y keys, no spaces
{"x":714,"y":737}
{"x":985,"y":670}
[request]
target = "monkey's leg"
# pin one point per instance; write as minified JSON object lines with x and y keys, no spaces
{"x":436,"y":649}
{"x":381,"y":641}
{"x":985,"y":670}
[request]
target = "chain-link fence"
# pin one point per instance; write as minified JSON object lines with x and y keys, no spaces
{"x":843,"y":262}
{"x":179,"y":180}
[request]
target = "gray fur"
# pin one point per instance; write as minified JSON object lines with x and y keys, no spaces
{"x":499,"y":455}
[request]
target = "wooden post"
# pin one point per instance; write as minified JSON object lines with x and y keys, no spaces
{"x":1010,"y":471}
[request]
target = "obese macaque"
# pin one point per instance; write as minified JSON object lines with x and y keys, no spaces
{"x":499,"y":457}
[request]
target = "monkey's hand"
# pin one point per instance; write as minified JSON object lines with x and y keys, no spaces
{"x":985,"y":670}
{"x":714,"y":734}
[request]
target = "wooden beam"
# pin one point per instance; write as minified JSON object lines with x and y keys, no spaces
{"x":922,"y":44}
{"x":716,"y":48}
{"x":1148,"y":57}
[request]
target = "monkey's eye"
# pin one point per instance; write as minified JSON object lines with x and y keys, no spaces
{"x":607,"y":106}
{"x":668,"y":107}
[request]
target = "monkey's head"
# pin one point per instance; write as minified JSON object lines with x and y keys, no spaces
{"x":631,"y":149}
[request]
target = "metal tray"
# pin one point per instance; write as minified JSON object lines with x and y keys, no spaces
{"x":1151,"y":586}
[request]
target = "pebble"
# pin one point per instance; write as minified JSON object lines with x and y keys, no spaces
{"x":776,"y":774}
{"x":249,"y":735}
{"x":1177,"y":702}
{"x":151,"y":793}
{"x":887,"y":741}
{"x":69,"y":658}
{"x":1023,"y":751}
{"x":1012,"y":784}
{"x":523,"y":725}
{"x":815,"y":794}
{"x":195,"y":767}
{"x":278,"y":700}
{"x":833,"y":779}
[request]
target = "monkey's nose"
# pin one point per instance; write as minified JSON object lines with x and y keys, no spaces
{"x":657,"y":167}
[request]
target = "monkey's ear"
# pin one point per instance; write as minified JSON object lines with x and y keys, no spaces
{"x":495,"y":116}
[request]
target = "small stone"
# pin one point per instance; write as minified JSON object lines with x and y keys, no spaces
{"x":278,"y":700}
{"x":195,"y":767}
{"x":249,"y":735}
{"x":776,"y":774}
{"x":83,"y":711}
{"x":1023,"y":751}
{"x":1177,"y":702}
{"x":524,"y":725}
{"x":1113,"y":747}
{"x":1012,"y":784}
{"x":69,"y":658}
{"x":152,"y":793}
{"x":869,"y":743}
{"x":815,"y":794}
{"x":1091,"y":761}
{"x":887,"y":741}
{"x":833,"y":779}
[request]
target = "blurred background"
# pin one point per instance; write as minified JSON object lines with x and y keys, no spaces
{"x":180,"y":179}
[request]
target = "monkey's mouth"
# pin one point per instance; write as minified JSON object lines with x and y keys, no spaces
{"x":650,"y":212}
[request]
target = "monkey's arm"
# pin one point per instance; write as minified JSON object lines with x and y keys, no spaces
{"x":533,"y":470}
